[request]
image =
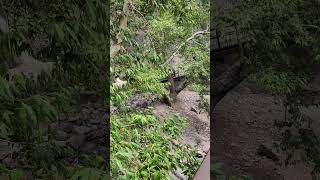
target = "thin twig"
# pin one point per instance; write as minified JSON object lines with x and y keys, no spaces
{"x":311,"y":26}
{"x":184,"y":43}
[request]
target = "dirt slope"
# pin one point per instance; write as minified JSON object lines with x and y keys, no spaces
{"x":197,"y":133}
{"x":243,"y":121}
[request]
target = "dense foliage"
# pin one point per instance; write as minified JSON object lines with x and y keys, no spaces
{"x":145,"y":35}
{"x":73,"y":35}
{"x":281,"y":47}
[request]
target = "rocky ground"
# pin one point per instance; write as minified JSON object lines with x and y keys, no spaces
{"x":83,"y":129}
{"x":244,"y":137}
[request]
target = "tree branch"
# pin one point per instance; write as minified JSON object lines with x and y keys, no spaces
{"x":184,"y":43}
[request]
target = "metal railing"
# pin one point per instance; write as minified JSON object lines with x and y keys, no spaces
{"x":228,"y":36}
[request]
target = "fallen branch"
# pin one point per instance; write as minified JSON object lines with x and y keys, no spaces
{"x":185,"y":42}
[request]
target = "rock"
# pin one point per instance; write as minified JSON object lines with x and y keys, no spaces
{"x":119,"y":83}
{"x":137,"y":102}
{"x":112,"y":108}
{"x":267,"y":152}
{"x":30,"y":67}
{"x":200,"y":154}
{"x":193,"y":109}
{"x":178,"y":174}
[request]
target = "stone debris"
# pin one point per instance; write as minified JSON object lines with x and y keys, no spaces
{"x":267,"y":152}
{"x":139,"y":101}
{"x":119,"y":83}
{"x":30,"y":67}
{"x":83,"y":128}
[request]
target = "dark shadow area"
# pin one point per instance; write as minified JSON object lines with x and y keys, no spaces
{"x":54,"y":64}
{"x":265,"y":90}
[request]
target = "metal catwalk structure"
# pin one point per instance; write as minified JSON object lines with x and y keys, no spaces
{"x":225,"y":37}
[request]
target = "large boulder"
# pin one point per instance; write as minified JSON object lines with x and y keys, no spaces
{"x":30,"y":67}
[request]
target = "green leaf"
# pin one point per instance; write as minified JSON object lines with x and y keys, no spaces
{"x":59,"y":31}
{"x":73,"y":35}
{"x":30,"y":113}
{"x":16,"y":174}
